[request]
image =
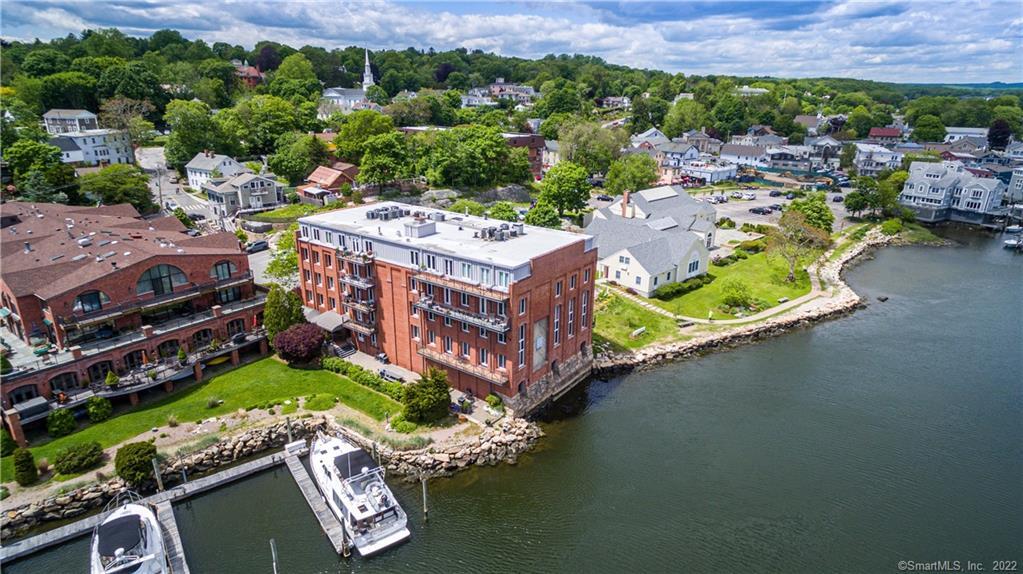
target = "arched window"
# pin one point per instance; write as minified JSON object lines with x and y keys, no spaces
{"x":22,"y":394}
{"x":160,"y":279}
{"x":223,"y":270}
{"x":168,"y":349}
{"x":90,"y":301}
{"x":64,"y":382}
{"x":202,"y":338}
{"x":98,"y":371}
{"x":235,"y":326}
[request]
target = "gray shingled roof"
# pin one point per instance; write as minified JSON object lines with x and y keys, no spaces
{"x":68,"y":114}
{"x":205,"y":162}
{"x":65,"y":144}
{"x":673,"y":147}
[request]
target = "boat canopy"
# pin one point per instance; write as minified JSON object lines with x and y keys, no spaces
{"x":351,"y":463}
{"x":124,"y":532}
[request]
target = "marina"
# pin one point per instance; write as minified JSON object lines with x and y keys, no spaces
{"x":328,"y":522}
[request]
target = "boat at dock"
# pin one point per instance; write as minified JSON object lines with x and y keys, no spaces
{"x":1014,"y":229}
{"x":1013,"y":243}
{"x":353,"y":484}
{"x":129,"y":540}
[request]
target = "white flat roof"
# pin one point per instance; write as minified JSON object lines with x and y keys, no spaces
{"x":454,"y":235}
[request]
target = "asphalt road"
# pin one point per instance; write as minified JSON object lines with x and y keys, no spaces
{"x":166,"y":193}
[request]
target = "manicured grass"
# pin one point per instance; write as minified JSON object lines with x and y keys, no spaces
{"x":916,"y":233}
{"x":290,"y":211}
{"x":257,"y":383}
{"x":764,"y":275}
{"x":320,"y":402}
{"x":618,"y":317}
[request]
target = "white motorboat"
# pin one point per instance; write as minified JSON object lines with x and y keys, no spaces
{"x":1013,"y":243}
{"x":1014,"y":229}
{"x":353,"y":484}
{"x":129,"y":540}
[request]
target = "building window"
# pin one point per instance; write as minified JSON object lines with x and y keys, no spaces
{"x":319,"y":279}
{"x":557,"y":324}
{"x":467,"y":270}
{"x":307,"y":275}
{"x":483,"y":306}
{"x":90,"y":301}
{"x":223,"y":270}
{"x":316,"y":256}
{"x":160,"y":279}
{"x":447,"y":321}
{"x":624,"y":259}
{"x":229,"y":294}
{"x":503,"y":278}
{"x":637,"y":280}
{"x":522,"y":345}
{"x":571,"y":281}
{"x":481,"y":355}
{"x":584,"y":304}
{"x":332,"y":303}
{"x":484,"y":275}
{"x":694,"y":266}
{"x":319,"y":300}
{"x":415,"y":332}
{"x":483,"y":333}
{"x":431,"y":337}
{"x":465,"y":349}
{"x":655,"y":281}
{"x":522,"y":305}
{"x":449,"y":267}
{"x":305,"y":254}
{"x":465,"y":327}
{"x":430,"y":316}
{"x":330,"y":282}
{"x":414,"y":258}
{"x":502,"y":338}
{"x":618,"y":274}
{"x":501,"y":361}
{"x":373,"y":340}
{"x":464,"y":299}
{"x":447,"y":296}
{"x":557,"y":289}
{"x":309,"y":296}
{"x":571,"y":317}
{"x":412,"y":284}
{"x":431,"y":262}
{"x":447,"y":344}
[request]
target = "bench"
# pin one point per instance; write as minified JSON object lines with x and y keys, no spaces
{"x":389,"y":376}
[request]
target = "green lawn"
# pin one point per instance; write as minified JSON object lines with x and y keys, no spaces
{"x":618,"y":317}
{"x":290,"y":211}
{"x":916,"y":233}
{"x":263,"y":381}
{"x":765,"y":277}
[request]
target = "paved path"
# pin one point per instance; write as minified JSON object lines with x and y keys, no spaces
{"x":172,"y":538}
{"x":328,"y":522}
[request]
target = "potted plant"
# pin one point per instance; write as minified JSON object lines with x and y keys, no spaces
{"x":112,"y":379}
{"x":182,"y":356}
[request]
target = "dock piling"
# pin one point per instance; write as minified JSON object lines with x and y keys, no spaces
{"x":156,"y":473}
{"x":426,"y":511}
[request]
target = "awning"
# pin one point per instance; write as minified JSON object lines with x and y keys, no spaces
{"x":328,"y":321}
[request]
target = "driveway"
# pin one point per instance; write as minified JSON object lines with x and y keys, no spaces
{"x":257,"y":263}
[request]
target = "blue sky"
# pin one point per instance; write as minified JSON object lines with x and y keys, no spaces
{"x":911,"y":41}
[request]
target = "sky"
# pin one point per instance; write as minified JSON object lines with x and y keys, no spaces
{"x":932,"y":41}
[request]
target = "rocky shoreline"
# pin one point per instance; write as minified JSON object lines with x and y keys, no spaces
{"x":503,"y":442}
{"x":842,"y":302}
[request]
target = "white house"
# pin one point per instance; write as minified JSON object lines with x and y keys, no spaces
{"x":243,"y":191}
{"x":652,"y":238}
{"x":1014,"y":193}
{"x":956,"y":133}
{"x":59,"y":121}
{"x":748,"y":92}
{"x":710,"y":172}
{"x":949,"y":191}
{"x":551,"y":154}
{"x":95,"y":147}
{"x":748,"y":155}
{"x":872,"y":159}
{"x":202,"y":167}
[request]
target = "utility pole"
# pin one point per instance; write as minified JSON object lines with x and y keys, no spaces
{"x":159,"y":184}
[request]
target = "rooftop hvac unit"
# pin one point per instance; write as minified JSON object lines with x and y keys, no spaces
{"x":437,"y":216}
{"x":85,"y":241}
{"x":520,"y":228}
{"x":504,"y":226}
{"x":372,"y":214}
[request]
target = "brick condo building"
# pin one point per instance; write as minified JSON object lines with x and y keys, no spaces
{"x":504,"y":308}
{"x":90,"y":290}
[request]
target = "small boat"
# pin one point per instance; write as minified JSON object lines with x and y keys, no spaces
{"x":1014,"y":243}
{"x":129,"y":540}
{"x":353,"y":485}
{"x":1014,"y":229}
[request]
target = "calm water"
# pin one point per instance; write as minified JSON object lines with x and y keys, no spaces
{"x":894,"y":434}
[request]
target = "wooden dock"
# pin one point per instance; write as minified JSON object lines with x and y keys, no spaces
{"x":328,"y":522}
{"x":172,"y":538}
{"x":21,"y":548}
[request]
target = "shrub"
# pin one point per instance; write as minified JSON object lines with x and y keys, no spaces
{"x":60,"y":422}
{"x":860,"y":233}
{"x":78,"y":458}
{"x":25,"y":471}
{"x":99,"y":409}
{"x":891,"y":227}
{"x":366,"y":378}
{"x":172,"y":421}
{"x":755,"y":228}
{"x":724,"y":261}
{"x":737,"y":293}
{"x":5,"y":365}
{"x":7,"y":444}
{"x":182,"y":355}
{"x":753,"y":246}
{"x":133,"y":462}
{"x":213,"y":402}
{"x":672,"y":290}
{"x":112,"y":379}
{"x":726,"y":223}
{"x":494,"y":401}
{"x":4,"y":493}
{"x":299,"y":343}
{"x":43,"y":465}
{"x":427,"y":399}
{"x":400,"y":425}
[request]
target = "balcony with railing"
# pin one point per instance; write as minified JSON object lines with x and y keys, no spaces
{"x":356,"y":281}
{"x":496,"y":323}
{"x":113,"y":311}
{"x":438,"y":280}
{"x":362,"y":257}
{"x":363,"y":327}
{"x":364,"y":305}
{"x":462,"y":364}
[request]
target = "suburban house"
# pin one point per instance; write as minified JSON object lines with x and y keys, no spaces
{"x":1014,"y":193}
{"x":683,"y":96}
{"x":824,"y":149}
{"x":503,"y":308}
{"x":324,"y":184}
{"x":955,"y":133}
{"x":94,"y":147}
{"x":949,"y":191}
{"x":612,"y":102}
{"x":872,"y":159}
{"x":652,"y":238}
{"x":789,"y":157}
{"x":242,"y":192}
{"x":652,"y":136}
{"x":709,"y":171}
{"x":812,"y":123}
{"x":500,"y":89}
{"x":674,"y":154}
{"x":703,"y":142}
{"x":762,"y":140}
{"x":470,"y":101}
{"x":1014,"y":151}
{"x":747,"y":155}
{"x":973,"y":145}
{"x":551,"y":154}
{"x":248,"y":75}
{"x":206,"y":165}
{"x":885,"y":136}
{"x":69,"y":121}
{"x":86,"y":291}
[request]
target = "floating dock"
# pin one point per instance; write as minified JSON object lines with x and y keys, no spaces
{"x":172,"y":538}
{"x":328,"y":522}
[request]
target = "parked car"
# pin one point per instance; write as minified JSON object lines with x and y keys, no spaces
{"x":749,"y":195}
{"x":775,"y":206}
{"x":760,"y":210}
{"x":736,"y":195}
{"x":838,"y":199}
{"x":790,"y":196}
{"x":193,"y":233}
{"x":196,"y":216}
{"x":720,"y":199}
{"x":257,"y":246}
{"x":775,"y":193}
{"x":170,"y":204}
{"x":174,"y":179}
{"x":604,"y":197}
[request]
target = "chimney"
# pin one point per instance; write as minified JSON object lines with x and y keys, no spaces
{"x":625,"y":202}
{"x":28,"y":247}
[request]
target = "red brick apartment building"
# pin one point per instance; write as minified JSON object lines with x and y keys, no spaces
{"x":89,"y":290}
{"x":504,"y":308}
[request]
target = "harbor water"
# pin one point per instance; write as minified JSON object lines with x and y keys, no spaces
{"x":893,"y":434}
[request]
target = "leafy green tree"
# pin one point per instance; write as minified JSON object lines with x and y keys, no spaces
{"x":60,"y":422}
{"x":543,"y":214}
{"x":132,"y":80}
{"x":283,"y":266}
{"x":73,"y":90}
{"x":184,"y":218}
{"x":44,"y":62}
{"x":466,"y":156}
{"x":281,"y":310}
{"x":550,"y":126}
{"x":794,"y":240}
{"x":53,"y":184}
{"x":427,"y":399}
{"x":648,"y":113}
{"x":385,"y":158}
{"x":1012,"y":115}
{"x":94,"y":66}
{"x":729,"y":115}
{"x":591,"y":146}
{"x":128,"y":115}
{"x":504,"y":211}
{"x":78,"y":458}
{"x":25,"y":155}
{"x":107,"y":42}
{"x":358,"y":128}
{"x":816,"y":211}
{"x":295,"y":77}
{"x":99,"y":409}
{"x":257,"y":122}
{"x":468,"y":206}
{"x":929,"y":129}
{"x":134,"y":462}
{"x":7,"y":443}
{"x":631,"y":173}
{"x":860,"y":121}
{"x":847,"y":157}
{"x":736,"y":293}
{"x":119,"y":183}
{"x":684,"y":116}
{"x":192,"y":131}
{"x":297,"y":156}
{"x":856,"y":202}
{"x":566,"y":187}
{"x":25,"y":471}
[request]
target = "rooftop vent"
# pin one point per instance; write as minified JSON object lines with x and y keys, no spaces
{"x":85,"y":241}
{"x":79,"y":257}
{"x":28,"y":247}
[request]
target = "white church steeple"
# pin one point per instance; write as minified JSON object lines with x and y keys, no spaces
{"x":367,"y":75}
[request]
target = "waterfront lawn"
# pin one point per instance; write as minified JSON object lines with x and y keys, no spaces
{"x":916,"y":233}
{"x":290,"y":212}
{"x":618,"y":317}
{"x":764,"y":275}
{"x":256,"y":384}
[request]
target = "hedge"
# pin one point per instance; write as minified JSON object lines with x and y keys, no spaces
{"x":60,"y":422}
{"x":99,"y":409}
{"x":672,"y":290}
{"x":25,"y":471}
{"x":364,"y":377}
{"x":7,"y":444}
{"x":753,"y":246}
{"x":891,"y":227}
{"x":78,"y":458}
{"x":134,"y":462}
